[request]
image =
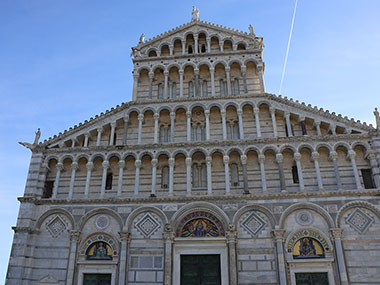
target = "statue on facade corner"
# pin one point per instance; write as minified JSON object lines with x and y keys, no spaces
{"x":135,"y":52}
{"x":377,"y":117}
{"x":142,"y":38}
{"x":251,"y":31}
{"x":195,"y":14}
{"x":35,"y":143}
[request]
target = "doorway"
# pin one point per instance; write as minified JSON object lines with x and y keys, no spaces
{"x":315,"y":278}
{"x":200,"y":269}
{"x":97,"y":279}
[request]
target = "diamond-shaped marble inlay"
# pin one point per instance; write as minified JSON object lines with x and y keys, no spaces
{"x":253,"y":224}
{"x":56,"y":226}
{"x":359,"y":220}
{"x":147,"y":225}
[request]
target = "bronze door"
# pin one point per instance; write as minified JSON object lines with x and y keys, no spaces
{"x":200,"y":270}
{"x":97,"y":279}
{"x":319,"y":278}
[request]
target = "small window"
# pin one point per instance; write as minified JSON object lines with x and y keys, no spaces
{"x":204,"y":89}
{"x":236,"y":88}
{"x":234,"y":174}
{"x":191,"y":89}
{"x":236,"y":134}
{"x":190,"y":49}
{"x":223,"y":89}
{"x":160,"y":91}
{"x":114,"y":138}
{"x":203,"y":49}
{"x":48,"y":189}
{"x":109,"y":181}
{"x":367,"y":179}
{"x":295,"y":175}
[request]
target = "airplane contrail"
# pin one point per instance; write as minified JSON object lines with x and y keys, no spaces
{"x":287,"y":49}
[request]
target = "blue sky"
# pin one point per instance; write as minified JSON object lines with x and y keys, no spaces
{"x":62,"y":62}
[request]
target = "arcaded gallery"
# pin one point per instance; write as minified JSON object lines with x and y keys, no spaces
{"x":203,"y":178}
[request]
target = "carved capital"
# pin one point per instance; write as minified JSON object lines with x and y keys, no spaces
{"x":228,"y":69}
{"x":74,"y":166}
{"x":90,"y":165}
{"x":138,"y":163}
{"x":226,"y":159}
{"x":243,"y":68}
{"x":336,"y":233}
{"x":279,"y":158}
{"x":113,"y":125}
{"x":166,"y":72}
{"x":261,"y":158}
{"x":75,"y":236}
{"x":239,"y":112}
{"x":121,"y":163}
{"x":45,"y":168}
{"x":223,"y":112}
{"x":231,"y":236}
{"x":208,"y":160}
{"x":351,"y":154}
{"x":333,"y":155}
{"x":105,"y":164}
{"x":297,"y":156}
{"x":188,"y":114}
{"x":156,"y":116}
{"x":99,"y":129}
{"x":188,"y":161}
{"x":140,"y":117}
{"x":278,"y":235}
{"x":287,"y":115}
{"x":125,"y":236}
{"x":272,"y":110}
{"x":256,"y":110}
{"x":171,"y":162}
{"x":315,"y":155}
{"x":172,"y":116}
{"x":151,"y":74}
{"x":168,"y":236}
{"x":243,"y":159}
{"x":126,"y":119}
{"x":207,"y":113}
{"x":60,"y":166}
{"x":154,"y":162}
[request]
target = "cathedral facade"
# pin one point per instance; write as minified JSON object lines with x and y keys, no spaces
{"x":203,"y":178}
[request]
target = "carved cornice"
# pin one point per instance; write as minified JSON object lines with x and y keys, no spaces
{"x":29,"y":230}
{"x":234,"y":197}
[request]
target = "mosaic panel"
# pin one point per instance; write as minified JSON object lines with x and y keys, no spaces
{"x":253,"y":224}
{"x":147,"y":225}
{"x":359,"y":220}
{"x":56,"y":226}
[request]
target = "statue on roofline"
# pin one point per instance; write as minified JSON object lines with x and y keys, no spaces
{"x":251,"y":31}
{"x":377,"y":117}
{"x":35,"y":143}
{"x":135,"y":52}
{"x":142,"y":38}
{"x":195,"y":14}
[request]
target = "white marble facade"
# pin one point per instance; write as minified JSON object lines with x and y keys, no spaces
{"x":202,"y":139}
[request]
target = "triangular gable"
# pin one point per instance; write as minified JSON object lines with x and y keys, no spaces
{"x":48,"y":280}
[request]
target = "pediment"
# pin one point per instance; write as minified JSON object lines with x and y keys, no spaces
{"x":48,"y":280}
{"x":197,"y":27}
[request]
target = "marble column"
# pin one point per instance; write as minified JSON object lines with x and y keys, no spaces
{"x":261,"y":78}
{"x":334,"y":157}
{"x":197,"y":89}
{"x":59,"y":168}
{"x":224,"y":124}
{"x":228,"y":79}
{"x":180,"y":83}
{"x":288,"y":124}
{"x":221,"y":46}
{"x":105,"y":166}
{"x":244,"y":74}
{"x":315,"y":156}
{"x":86,"y":137}
{"x":208,"y":40}
{"x":135,"y":85}
{"x":172,"y":127}
{"x":138,"y":165}
{"x":241,"y":126}
{"x":278,"y":236}
{"x":231,"y":236}
{"x":196,"y":44}
{"x":156,"y":117}
{"x":188,"y":176}
{"x":171,"y":49}
{"x":112,"y":135}
{"x":171,"y":176}
{"x":279,"y":160}
{"x":166,"y":78}
{"x":262,"y":171}
{"x":151,"y":76}
{"x":44,"y":170}
{"x":125,"y":130}
{"x":226,"y":161}
{"x":168,"y":237}
{"x":243,"y":159}
{"x":317,"y":125}
{"x":303,"y":125}
{"x":183,"y":47}
{"x":352,"y":155}
{"x":74,"y":168}
{"x":125,"y":239}
{"x":297,"y":158}
{"x":374,"y":168}
{"x":188,"y":125}
{"x":337,"y":236}
{"x":140,"y":118}
{"x":89,"y":167}
{"x":212,"y":79}
{"x":256,"y":111}
{"x":73,"y":142}
{"x":154,"y":176}
{"x":332,"y":128}
{"x":274,"y":123}
{"x":74,"y":241}
{"x":99,"y":137}
{"x":207,"y":116}
{"x":209,"y":175}
{"x":121,"y":165}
